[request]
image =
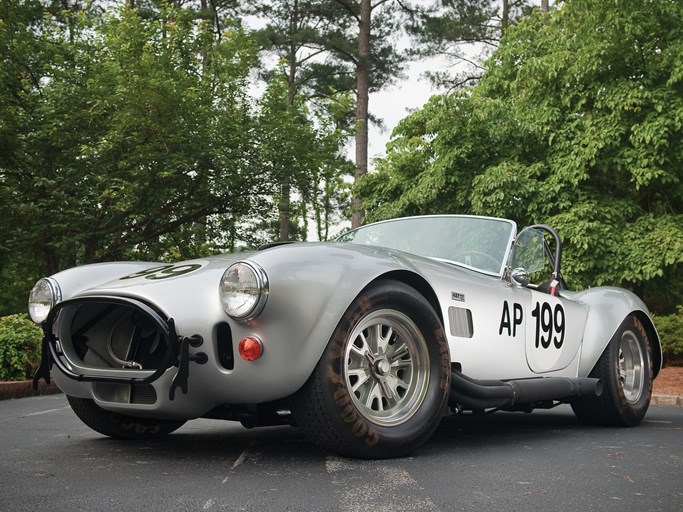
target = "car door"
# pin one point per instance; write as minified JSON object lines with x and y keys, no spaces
{"x":554,"y":331}
{"x":553,"y":324}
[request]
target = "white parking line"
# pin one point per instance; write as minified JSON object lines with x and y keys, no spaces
{"x":44,"y":412}
{"x":382,"y":487}
{"x":246,"y":454}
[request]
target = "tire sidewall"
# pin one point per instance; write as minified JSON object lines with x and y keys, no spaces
{"x":120,"y":426}
{"x":630,"y":413}
{"x":372,"y":439}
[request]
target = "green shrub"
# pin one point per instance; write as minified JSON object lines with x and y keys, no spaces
{"x":670,"y":329}
{"x":20,"y":341}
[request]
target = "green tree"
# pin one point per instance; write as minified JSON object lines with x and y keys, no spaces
{"x":331,"y":46}
{"x":577,"y":122}
{"x":294,"y":36}
{"x":365,"y":42}
{"x":323,"y":50}
{"x":122,"y":132}
{"x":463,"y":32}
{"x":303,"y":154}
{"x":21,"y":71}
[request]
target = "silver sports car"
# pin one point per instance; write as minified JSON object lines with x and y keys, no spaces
{"x":364,"y":343}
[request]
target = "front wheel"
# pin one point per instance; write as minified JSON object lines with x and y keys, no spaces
{"x":120,"y":426}
{"x":381,"y":385}
{"x":625,"y":369}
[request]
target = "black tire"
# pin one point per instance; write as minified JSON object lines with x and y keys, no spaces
{"x":120,"y":426}
{"x":625,"y":370}
{"x":381,"y":385}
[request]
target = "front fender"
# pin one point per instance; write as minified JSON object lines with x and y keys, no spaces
{"x":607,"y":309}
{"x":77,"y":279}
{"x":311,"y":287}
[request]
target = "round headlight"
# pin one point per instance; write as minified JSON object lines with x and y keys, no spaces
{"x":244,"y":290}
{"x":45,"y":294}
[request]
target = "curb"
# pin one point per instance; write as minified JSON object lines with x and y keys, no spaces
{"x":667,"y":400}
{"x":24,"y":388}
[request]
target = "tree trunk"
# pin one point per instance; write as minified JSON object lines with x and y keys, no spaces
{"x":51,"y":261}
{"x":362,"y":92}
{"x":505,"y":18}
{"x":283,"y":209}
{"x":285,"y":203}
{"x":544,"y":5}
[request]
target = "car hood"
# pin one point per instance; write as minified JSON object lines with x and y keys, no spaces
{"x":321,"y":265}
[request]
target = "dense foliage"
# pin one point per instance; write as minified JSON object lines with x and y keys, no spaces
{"x":578,"y":123}
{"x":450,"y":30}
{"x":132,"y":134}
{"x":20,"y":341}
{"x":670,"y":330}
{"x":167,"y":129}
{"x":131,"y":129}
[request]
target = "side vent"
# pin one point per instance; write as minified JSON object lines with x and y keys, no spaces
{"x":460,"y":320}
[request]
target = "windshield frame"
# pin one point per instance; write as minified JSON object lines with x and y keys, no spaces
{"x":344,"y":238}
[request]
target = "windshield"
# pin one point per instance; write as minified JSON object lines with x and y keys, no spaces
{"x":480,"y":243}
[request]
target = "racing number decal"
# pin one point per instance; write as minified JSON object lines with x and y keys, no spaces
{"x":509,"y":323}
{"x":164,"y":271}
{"x":549,"y":324}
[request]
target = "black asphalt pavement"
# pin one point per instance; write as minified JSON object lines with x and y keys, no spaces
{"x":544,"y":461}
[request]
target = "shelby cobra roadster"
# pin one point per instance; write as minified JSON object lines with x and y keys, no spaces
{"x":364,"y":343}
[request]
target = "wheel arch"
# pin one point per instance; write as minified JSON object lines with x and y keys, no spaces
{"x":608,"y":307}
{"x":326,"y":398}
{"x":414,"y":281}
{"x":342,"y":273}
{"x":657,"y":357}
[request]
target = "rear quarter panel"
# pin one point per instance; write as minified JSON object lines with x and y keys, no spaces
{"x":607,"y":308}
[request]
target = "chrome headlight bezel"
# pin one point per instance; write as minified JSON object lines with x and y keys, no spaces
{"x":244,"y":290}
{"x":43,"y":297}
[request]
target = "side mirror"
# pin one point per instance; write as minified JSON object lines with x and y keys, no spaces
{"x":520,"y":277}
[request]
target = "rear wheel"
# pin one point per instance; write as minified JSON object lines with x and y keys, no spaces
{"x":120,"y":426}
{"x":380,"y":388}
{"x":625,"y":369}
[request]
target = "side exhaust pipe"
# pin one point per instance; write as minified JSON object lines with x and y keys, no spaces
{"x":494,"y":394}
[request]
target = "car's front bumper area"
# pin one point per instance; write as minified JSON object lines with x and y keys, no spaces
{"x":121,"y":346}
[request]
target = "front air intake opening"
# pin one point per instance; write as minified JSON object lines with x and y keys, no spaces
{"x":113,"y":339}
{"x":111,"y":336}
{"x":143,"y":394}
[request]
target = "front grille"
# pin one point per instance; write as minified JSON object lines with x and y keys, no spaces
{"x":111,"y":339}
{"x":145,"y":394}
{"x":113,"y":336}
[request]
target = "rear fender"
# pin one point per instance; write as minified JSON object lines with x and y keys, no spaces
{"x":607,"y":309}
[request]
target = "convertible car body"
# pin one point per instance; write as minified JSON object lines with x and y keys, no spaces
{"x":364,"y":343}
